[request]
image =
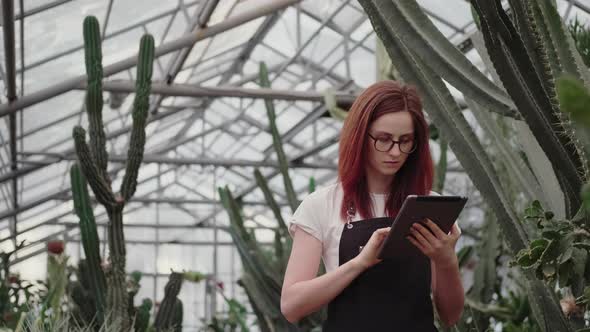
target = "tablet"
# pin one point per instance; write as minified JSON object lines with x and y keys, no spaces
{"x":443,"y":210}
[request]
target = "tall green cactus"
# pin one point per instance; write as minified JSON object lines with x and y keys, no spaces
{"x":534,"y":95}
{"x":90,"y":241}
{"x":94,"y":99}
{"x":93,"y":163}
{"x":276,"y":140}
{"x":262,"y":277}
{"x":261,"y":281}
{"x":86,"y":308}
{"x":57,"y":279}
{"x":142,"y":318}
{"x":140,"y":113}
{"x":177,"y":316}
{"x":527,"y":51}
{"x":170,"y":312}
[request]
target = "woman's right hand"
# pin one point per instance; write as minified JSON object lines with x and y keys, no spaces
{"x":368,"y":255}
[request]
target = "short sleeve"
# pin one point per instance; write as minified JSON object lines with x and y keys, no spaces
{"x":307,"y":218}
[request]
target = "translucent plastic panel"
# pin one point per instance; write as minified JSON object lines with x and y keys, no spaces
{"x":121,"y":11}
{"x":348,"y":16}
{"x":54,"y":30}
{"x":49,"y":179}
{"x":449,"y":15}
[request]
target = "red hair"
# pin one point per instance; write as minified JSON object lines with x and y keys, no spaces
{"x":415,"y":177}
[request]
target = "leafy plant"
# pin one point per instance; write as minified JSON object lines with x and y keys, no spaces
{"x":16,"y":294}
{"x":581,"y":35}
{"x":233,"y":320}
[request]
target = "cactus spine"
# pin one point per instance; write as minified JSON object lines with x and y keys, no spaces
{"x":93,"y":163}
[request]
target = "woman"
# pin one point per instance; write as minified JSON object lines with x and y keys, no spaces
{"x":384,"y":156}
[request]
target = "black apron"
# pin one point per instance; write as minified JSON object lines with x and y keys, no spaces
{"x":393,"y":295}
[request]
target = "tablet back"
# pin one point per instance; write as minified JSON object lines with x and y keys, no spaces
{"x":443,"y":210}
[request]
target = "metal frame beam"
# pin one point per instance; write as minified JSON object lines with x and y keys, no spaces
{"x":203,"y":161}
{"x":177,"y":201}
{"x":175,"y":66}
{"x":10,"y":82}
{"x":40,"y":9}
{"x":267,"y":7}
{"x":121,"y":31}
{"x":238,"y":63}
{"x":122,"y":65}
{"x":189,"y":90}
{"x":52,"y":196}
{"x":57,"y":195}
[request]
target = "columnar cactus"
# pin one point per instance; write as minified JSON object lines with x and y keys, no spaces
{"x":142,"y":317}
{"x":83,"y":296}
{"x":82,"y":206}
{"x":170,"y":311}
{"x":93,"y":163}
{"x":177,"y":316}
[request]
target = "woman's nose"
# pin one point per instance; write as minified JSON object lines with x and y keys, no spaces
{"x":395,"y":151}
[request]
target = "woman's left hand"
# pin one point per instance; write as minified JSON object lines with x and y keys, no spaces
{"x":434,"y":243}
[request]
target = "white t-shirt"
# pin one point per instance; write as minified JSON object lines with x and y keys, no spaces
{"x":319,"y":215}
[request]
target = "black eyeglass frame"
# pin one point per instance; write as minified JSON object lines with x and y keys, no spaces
{"x":393,"y":143}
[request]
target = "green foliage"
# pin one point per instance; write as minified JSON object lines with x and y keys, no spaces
{"x":233,"y":320}
{"x":574,"y":99}
{"x":193,"y":276}
{"x":561,"y":253}
{"x":15,"y":293}
{"x":581,"y":35}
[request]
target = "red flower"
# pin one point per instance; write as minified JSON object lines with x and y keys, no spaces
{"x":7,"y":317}
{"x":220,"y":285}
{"x":55,"y":247}
{"x":13,"y":279}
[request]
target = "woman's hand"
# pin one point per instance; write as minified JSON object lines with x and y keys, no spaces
{"x":434,"y":243}
{"x":368,"y":254}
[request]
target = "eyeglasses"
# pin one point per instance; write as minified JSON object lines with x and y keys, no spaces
{"x":386,"y":143}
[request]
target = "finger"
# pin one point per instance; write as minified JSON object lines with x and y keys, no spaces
{"x":379,"y":235}
{"x":416,"y":244}
{"x":425,"y":232}
{"x":421,"y":239}
{"x":381,"y":232}
{"x":456,"y":229}
{"x":435,"y":229}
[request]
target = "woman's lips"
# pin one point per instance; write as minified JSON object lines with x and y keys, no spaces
{"x":391,"y":163}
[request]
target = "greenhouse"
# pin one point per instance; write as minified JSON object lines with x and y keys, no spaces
{"x":235,"y":165}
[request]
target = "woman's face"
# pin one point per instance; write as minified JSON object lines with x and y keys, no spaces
{"x":396,"y":126}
